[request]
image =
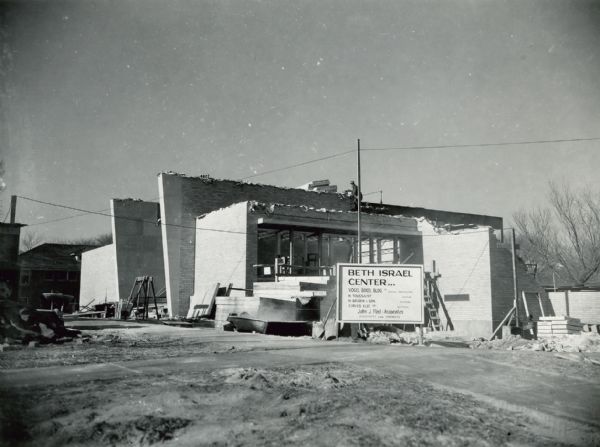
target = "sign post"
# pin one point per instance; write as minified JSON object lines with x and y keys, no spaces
{"x":380,"y":293}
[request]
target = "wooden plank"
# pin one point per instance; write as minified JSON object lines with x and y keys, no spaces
{"x":539,"y":296}
{"x":525,"y":304}
{"x":313,"y":286}
{"x":208,"y":299}
{"x":509,"y":314}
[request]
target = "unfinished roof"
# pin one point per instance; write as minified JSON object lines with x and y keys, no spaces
{"x":437,"y":216}
{"x":208,"y":179}
{"x":304,"y":218}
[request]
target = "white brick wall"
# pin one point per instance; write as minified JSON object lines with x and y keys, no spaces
{"x":221,"y":256}
{"x":463,"y":260}
{"x":98,"y":276}
{"x":584,"y":305}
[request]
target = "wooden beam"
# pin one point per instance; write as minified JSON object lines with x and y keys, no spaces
{"x":509,"y":314}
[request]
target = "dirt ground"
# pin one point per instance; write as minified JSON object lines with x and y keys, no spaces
{"x":329,"y":403}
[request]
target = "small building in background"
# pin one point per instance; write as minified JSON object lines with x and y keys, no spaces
{"x":48,"y":271}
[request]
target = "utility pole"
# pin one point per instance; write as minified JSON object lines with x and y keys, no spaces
{"x":514,"y":272}
{"x":13,"y":209}
{"x":358,"y":202}
{"x":355,"y":327}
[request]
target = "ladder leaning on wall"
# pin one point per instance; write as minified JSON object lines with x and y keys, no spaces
{"x":434,"y":303}
{"x":434,"y":322}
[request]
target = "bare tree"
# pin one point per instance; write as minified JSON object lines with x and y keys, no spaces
{"x":29,"y":239}
{"x":100,"y":240}
{"x":566,"y":236}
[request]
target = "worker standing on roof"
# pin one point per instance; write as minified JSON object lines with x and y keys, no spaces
{"x":355,"y":197}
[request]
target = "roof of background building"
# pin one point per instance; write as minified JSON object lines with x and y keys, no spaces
{"x":53,"y":257}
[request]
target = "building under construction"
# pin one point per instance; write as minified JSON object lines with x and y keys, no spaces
{"x":268,"y":240}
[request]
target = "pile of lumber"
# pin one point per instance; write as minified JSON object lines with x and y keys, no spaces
{"x":22,"y":324}
{"x":549,"y":326}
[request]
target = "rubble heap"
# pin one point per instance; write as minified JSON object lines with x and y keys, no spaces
{"x":24,"y":324}
{"x":584,"y":342}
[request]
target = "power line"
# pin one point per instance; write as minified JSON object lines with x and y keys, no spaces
{"x":339,"y":154}
{"x":99,"y":213}
{"x":441,"y":146}
{"x":508,"y":143}
{"x":64,"y":218}
{"x":60,"y":219}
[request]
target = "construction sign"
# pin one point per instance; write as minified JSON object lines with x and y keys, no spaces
{"x":380,"y":293}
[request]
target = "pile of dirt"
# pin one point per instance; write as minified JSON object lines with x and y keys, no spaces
{"x":21,"y":325}
{"x":262,"y":379}
{"x":326,"y":404}
{"x":144,"y":430}
{"x":584,"y":342}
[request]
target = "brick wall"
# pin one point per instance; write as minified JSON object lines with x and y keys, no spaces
{"x":185,"y":198}
{"x":138,"y":241}
{"x":503,"y":285}
{"x":98,"y":275}
{"x":222,"y":256}
{"x":584,"y":305}
{"x":463,"y":260}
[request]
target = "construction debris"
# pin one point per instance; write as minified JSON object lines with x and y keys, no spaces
{"x":584,"y":342}
{"x":28,"y":326}
{"x":385,"y":336}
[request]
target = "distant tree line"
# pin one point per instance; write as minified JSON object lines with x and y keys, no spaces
{"x":31,"y":239}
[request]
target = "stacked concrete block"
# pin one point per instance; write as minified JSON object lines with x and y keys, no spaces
{"x":551,"y":326}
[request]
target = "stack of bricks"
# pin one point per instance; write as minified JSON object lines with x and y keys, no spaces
{"x":549,"y":326}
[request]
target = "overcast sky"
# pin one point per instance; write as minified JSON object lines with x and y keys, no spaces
{"x":100,"y":96}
